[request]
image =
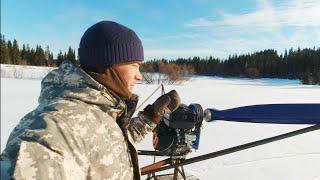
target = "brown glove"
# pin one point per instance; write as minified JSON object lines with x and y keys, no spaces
{"x":165,"y":104}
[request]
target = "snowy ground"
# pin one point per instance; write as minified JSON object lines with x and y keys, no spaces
{"x":296,"y":158}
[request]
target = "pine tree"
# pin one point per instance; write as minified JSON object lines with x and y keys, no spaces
{"x":29,"y":55}
{"x":23,"y":55}
{"x":9,"y":47}
{"x":70,"y":55}
{"x":5,"y":59}
{"x":15,"y":52}
{"x":40,"y":57}
{"x":60,"y":58}
{"x":23,"y":52}
{"x":49,"y":57}
{"x":307,"y":78}
{"x":51,"y":60}
{"x":317,"y":74}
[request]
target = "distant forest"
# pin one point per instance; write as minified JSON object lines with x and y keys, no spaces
{"x":12,"y":53}
{"x":302,"y":64}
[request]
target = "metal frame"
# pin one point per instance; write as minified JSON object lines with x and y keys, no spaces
{"x":170,"y":163}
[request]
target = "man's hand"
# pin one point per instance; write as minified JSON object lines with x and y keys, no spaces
{"x":165,"y":104}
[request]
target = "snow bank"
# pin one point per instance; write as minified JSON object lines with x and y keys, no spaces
{"x":24,"y":72}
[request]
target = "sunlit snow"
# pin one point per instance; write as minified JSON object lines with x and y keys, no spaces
{"x":296,"y":158}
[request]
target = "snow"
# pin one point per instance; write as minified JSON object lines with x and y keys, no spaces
{"x":23,"y":72}
{"x":295,"y":158}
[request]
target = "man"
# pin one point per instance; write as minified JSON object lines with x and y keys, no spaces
{"x":82,"y":128}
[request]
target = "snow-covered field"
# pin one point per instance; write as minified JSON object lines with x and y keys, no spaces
{"x":296,"y":158}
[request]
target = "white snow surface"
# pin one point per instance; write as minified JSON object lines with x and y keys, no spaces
{"x":296,"y":158}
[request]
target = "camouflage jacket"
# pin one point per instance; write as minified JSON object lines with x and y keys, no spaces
{"x":74,"y":134}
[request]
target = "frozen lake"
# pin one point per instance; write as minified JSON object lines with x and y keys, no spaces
{"x":294,"y":158}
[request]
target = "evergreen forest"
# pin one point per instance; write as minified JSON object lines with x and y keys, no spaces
{"x":302,"y":64}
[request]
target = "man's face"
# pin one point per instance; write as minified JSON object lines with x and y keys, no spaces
{"x":129,"y":73}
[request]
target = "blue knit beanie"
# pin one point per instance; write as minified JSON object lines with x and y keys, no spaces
{"x":107,"y":43}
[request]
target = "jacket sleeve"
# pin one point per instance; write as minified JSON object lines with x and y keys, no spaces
{"x":139,"y":126}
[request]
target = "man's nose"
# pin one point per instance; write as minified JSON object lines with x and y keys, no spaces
{"x":139,"y":75}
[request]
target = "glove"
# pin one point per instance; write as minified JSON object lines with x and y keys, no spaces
{"x":165,"y":104}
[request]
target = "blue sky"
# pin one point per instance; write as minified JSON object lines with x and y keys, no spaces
{"x":170,"y":28}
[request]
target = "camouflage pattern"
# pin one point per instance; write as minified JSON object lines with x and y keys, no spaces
{"x":73,"y":133}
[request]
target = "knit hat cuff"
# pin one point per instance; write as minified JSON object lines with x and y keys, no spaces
{"x":110,"y":54}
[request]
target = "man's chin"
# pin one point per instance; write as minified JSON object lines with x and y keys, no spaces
{"x":130,"y":88}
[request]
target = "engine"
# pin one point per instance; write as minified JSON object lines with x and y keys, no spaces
{"x":179,"y":133}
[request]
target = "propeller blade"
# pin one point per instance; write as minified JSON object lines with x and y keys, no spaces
{"x":268,"y":113}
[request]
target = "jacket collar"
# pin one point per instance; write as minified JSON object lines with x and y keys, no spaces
{"x":69,"y":81}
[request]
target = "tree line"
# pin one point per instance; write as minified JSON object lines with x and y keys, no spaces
{"x":302,"y":64}
{"x":12,"y":53}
